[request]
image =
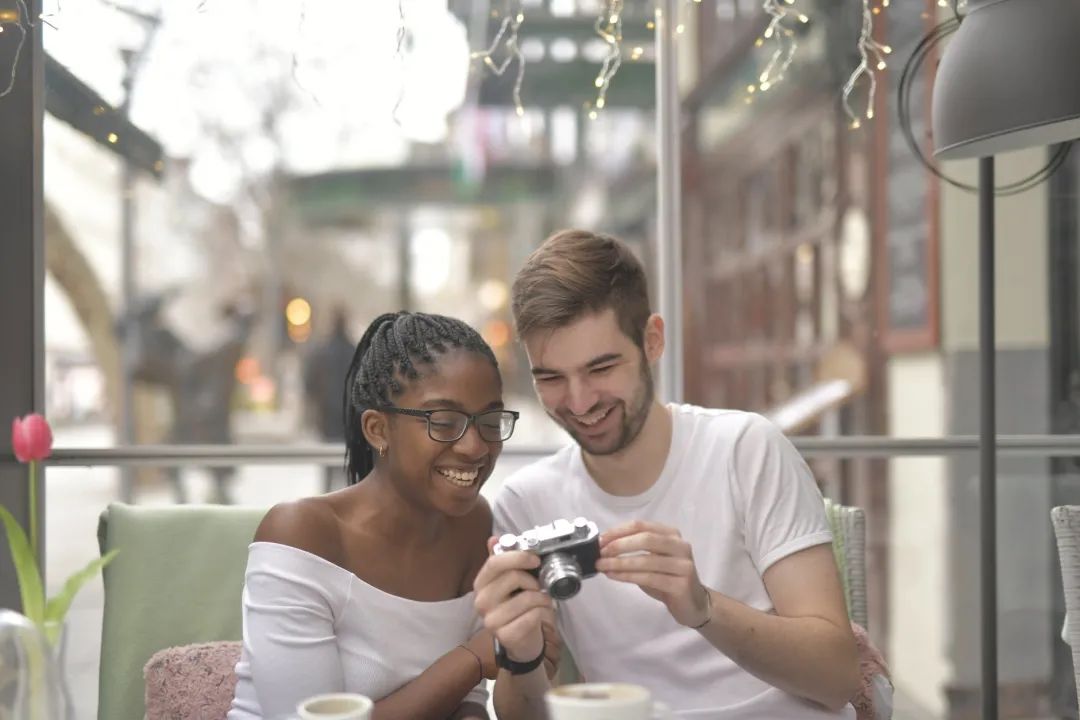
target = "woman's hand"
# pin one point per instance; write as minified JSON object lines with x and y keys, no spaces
{"x":482,"y":644}
{"x":509,"y":599}
{"x":552,"y":647}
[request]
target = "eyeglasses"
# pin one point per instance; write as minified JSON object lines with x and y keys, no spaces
{"x":451,"y":425}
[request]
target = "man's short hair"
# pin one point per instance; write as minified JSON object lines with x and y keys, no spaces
{"x":575,"y":273}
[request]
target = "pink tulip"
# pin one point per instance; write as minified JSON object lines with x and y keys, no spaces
{"x":31,"y":438}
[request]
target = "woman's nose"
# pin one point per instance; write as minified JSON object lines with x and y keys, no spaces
{"x":470,"y":444}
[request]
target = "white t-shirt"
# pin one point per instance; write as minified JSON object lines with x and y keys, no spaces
{"x":743,"y":497}
{"x":313,"y":627}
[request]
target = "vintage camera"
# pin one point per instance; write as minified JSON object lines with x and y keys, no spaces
{"x":568,"y":553}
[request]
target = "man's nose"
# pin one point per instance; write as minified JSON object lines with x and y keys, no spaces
{"x":581,"y":397}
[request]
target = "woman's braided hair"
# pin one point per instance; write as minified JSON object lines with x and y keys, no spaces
{"x":388,"y":354}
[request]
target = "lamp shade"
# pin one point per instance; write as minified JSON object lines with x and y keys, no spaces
{"x":1009,"y":79}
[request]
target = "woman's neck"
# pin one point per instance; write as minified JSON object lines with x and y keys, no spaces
{"x":384,"y":511}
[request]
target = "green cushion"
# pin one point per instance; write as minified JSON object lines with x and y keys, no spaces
{"x":177,"y":581}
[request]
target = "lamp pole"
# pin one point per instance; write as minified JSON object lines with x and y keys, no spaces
{"x":987,"y":441}
{"x":132,"y":61}
{"x":127,"y":284}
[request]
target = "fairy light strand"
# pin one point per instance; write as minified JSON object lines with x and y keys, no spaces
{"x":399,"y":54}
{"x":507,"y":37}
{"x":609,"y":27}
{"x":21,"y":24}
{"x":300,"y":27}
{"x":780,"y":32}
{"x":871,"y":60}
{"x":24,"y":25}
{"x":45,"y":17}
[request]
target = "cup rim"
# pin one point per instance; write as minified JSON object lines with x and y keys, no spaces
{"x":643,"y":695}
{"x":364,"y":702}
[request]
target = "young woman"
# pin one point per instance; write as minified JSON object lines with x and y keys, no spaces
{"x":369,"y":589}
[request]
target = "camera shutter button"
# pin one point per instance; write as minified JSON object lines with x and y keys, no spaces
{"x":508,"y":541}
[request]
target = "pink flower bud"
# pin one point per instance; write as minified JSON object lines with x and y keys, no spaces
{"x":31,"y":438}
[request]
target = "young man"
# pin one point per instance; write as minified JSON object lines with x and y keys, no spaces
{"x":718,"y":589}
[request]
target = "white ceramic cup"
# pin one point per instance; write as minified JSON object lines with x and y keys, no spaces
{"x":336,"y":706}
{"x":604,"y":701}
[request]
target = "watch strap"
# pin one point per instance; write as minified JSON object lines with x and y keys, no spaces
{"x":516,"y":668}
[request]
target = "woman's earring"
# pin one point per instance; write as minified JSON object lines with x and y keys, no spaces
{"x":382,"y":451}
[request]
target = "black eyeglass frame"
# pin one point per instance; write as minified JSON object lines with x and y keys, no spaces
{"x":470,"y":419}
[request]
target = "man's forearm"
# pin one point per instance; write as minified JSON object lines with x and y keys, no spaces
{"x":470,"y":711}
{"x":808,"y":656}
{"x":521,"y":697}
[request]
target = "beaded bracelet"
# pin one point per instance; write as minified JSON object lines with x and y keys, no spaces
{"x":479,"y":662}
{"x":708,"y":612}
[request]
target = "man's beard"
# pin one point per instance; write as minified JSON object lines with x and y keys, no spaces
{"x":634,"y":416}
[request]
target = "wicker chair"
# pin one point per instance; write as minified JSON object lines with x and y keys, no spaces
{"x":848,"y":526}
{"x":1066,"y":520}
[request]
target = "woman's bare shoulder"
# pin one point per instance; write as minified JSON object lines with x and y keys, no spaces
{"x":309,"y":524}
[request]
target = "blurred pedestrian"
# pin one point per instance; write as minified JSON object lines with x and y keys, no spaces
{"x":324,"y":377}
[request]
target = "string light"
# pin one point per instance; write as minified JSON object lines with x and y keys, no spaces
{"x":871,"y":59}
{"x":778,"y":31}
{"x":507,"y":37}
{"x":399,"y":53}
{"x":609,"y":27}
{"x":44,"y":16}
{"x":10,"y":13}
{"x":17,"y":14}
{"x":15,"y":18}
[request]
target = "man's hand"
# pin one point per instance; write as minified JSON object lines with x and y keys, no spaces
{"x":512,"y":604}
{"x":656,"y":559}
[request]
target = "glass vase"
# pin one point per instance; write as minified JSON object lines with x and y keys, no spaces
{"x":32,"y":684}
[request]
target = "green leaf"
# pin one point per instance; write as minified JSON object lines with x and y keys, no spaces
{"x":60,"y":603}
{"x":26,"y":569}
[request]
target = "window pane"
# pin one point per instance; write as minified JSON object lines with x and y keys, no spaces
{"x":264,"y":189}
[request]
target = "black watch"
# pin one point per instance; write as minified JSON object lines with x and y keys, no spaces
{"x":516,"y":668}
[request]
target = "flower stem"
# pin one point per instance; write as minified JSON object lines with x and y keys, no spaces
{"x":33,"y":512}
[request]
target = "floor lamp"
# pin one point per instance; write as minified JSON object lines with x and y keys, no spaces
{"x":1007,"y":81}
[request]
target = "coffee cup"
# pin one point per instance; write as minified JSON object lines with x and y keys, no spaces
{"x":336,"y":706}
{"x":604,"y":701}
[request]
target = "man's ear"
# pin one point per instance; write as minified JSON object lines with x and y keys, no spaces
{"x":376,"y":428}
{"x":654,"y":338}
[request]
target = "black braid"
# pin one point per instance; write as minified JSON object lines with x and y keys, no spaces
{"x":386,"y":358}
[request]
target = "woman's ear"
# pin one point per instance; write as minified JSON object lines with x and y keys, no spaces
{"x":376,"y":429}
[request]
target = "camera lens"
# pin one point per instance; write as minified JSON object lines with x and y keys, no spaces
{"x":560,"y":574}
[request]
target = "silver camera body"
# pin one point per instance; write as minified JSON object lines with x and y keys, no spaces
{"x":568,"y":553}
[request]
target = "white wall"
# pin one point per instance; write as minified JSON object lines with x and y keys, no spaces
{"x":917,"y":535}
{"x":1020,"y":256}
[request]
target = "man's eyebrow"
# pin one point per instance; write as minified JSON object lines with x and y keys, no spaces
{"x":603,"y":359}
{"x":598,"y":360}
